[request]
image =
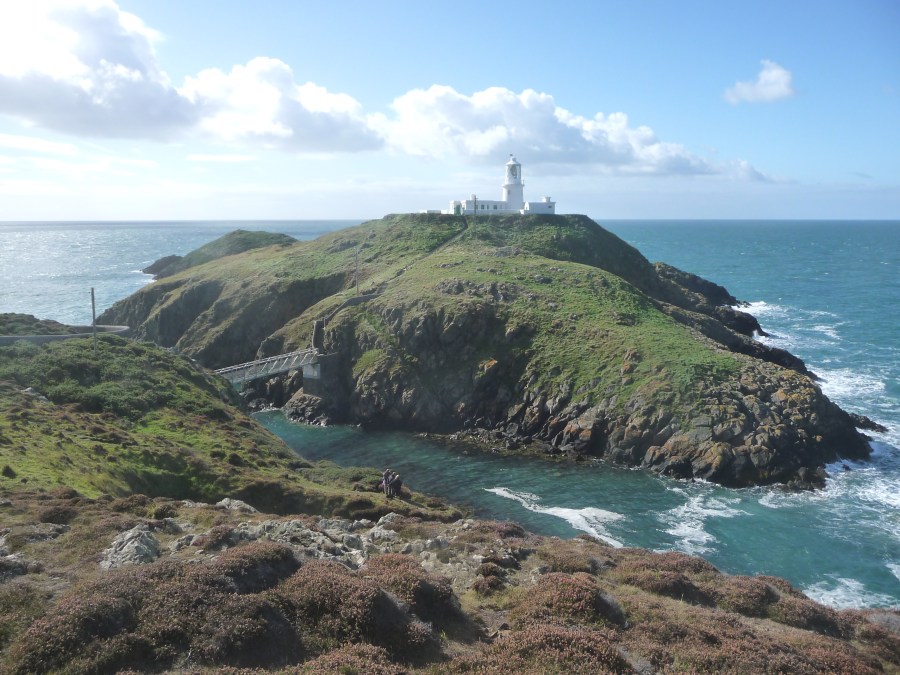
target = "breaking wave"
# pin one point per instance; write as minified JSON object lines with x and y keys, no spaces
{"x":590,"y":519}
{"x":841,"y":593}
{"x":687,"y":523}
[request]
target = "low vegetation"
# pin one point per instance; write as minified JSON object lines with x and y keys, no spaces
{"x":267,"y":606}
{"x":128,"y":417}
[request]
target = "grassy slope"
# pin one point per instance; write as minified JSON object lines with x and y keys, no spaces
{"x":232,"y":243}
{"x":248,"y":297}
{"x":25,"y":324}
{"x":599,"y":319}
{"x":134,"y":418}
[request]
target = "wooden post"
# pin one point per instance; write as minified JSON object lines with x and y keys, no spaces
{"x":94,"y":319}
{"x":357,"y":270}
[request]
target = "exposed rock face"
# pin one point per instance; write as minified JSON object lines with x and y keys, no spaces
{"x":770,"y":424}
{"x":136,"y":546}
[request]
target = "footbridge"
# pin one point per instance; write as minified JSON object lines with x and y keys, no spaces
{"x":305,"y":359}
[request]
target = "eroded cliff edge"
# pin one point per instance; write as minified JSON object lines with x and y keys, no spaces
{"x":543,"y":332}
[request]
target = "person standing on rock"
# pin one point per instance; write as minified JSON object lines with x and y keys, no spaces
{"x":396,"y":484}
{"x":386,"y":482}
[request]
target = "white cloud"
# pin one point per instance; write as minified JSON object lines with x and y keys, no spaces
{"x":88,"y":68}
{"x":772,"y":83}
{"x":440,"y":122}
{"x":32,"y":144}
{"x":85,"y":68}
{"x":226,"y":159}
{"x":261,"y":102}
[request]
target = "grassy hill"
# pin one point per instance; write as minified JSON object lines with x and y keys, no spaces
{"x":542,"y":332}
{"x":132,"y":417}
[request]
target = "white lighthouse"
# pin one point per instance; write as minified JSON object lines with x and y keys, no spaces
{"x":513,"y":187}
{"x":513,"y":200}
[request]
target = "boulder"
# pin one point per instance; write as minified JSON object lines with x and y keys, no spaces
{"x":136,"y":546}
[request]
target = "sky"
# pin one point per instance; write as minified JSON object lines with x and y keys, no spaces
{"x":292,"y":109}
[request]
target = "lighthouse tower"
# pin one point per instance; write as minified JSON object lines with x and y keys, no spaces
{"x":513,"y":198}
{"x":513,"y":187}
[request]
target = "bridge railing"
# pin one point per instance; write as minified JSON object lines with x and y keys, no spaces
{"x":272,"y":365}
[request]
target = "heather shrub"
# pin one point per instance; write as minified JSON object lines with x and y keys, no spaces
{"x":157,"y":613}
{"x":879,"y":630}
{"x":574,"y":555}
{"x":566,"y":598}
{"x":257,"y":566}
{"x":134,"y":504}
{"x":799,"y":611}
{"x":175,"y":611}
{"x":328,"y":605}
{"x":540,"y":649}
{"x":429,"y":596}
{"x":486,"y":531}
{"x":487,"y":585}
{"x":166,"y":510}
{"x":698,"y":639}
{"x":664,"y":574}
{"x":59,"y":515}
{"x":74,"y":623}
{"x":838,"y":659}
{"x":245,"y":630}
{"x":671,"y":561}
{"x":664,"y":582}
{"x":358,"y":659}
{"x":490,"y":569}
{"x":217,"y":538}
{"x":749,"y":596}
{"x":20,"y":604}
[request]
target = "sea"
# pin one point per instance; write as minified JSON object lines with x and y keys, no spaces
{"x":828,"y":291}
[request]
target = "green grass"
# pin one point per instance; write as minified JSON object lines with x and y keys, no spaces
{"x":135,"y":418}
{"x":25,"y":324}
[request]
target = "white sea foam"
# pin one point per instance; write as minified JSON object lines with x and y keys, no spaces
{"x":763,"y":308}
{"x":895,"y":569}
{"x":829,"y":331}
{"x":845,"y":384}
{"x":590,"y":519}
{"x":841,"y":593}
{"x":687,"y":522}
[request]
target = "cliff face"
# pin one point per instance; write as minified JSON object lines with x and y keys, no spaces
{"x":539,"y":331}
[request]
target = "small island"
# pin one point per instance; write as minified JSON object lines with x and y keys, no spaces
{"x":543,"y":334}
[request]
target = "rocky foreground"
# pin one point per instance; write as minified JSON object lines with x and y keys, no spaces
{"x":149,"y":585}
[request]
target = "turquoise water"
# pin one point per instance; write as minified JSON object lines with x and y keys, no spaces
{"x":829,"y":292}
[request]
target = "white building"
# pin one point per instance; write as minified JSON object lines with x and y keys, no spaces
{"x":513,"y":200}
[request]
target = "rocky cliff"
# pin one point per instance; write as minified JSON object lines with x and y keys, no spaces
{"x":538,"y":332}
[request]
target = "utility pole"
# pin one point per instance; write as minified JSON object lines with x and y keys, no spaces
{"x":94,"y":319}
{"x":474,"y":216}
{"x":357,"y":270}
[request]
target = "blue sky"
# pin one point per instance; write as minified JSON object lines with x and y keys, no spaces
{"x":163,"y":109}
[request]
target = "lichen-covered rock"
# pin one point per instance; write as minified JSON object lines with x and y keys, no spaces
{"x":136,"y":546}
{"x":235,"y":505}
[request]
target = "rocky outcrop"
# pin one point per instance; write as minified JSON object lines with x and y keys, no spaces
{"x":769,"y":424}
{"x":137,"y":546}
